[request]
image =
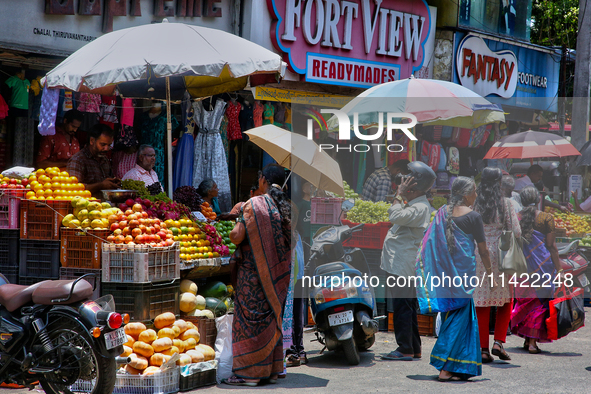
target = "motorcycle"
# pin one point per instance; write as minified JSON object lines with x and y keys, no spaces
{"x":574,"y":262}
{"x":344,"y":313}
{"x":51,"y":332}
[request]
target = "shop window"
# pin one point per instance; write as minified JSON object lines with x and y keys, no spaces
{"x":505,"y":17}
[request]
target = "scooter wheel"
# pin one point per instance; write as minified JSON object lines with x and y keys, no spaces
{"x":351,"y":352}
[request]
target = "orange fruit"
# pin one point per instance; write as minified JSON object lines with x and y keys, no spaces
{"x":55,"y":186}
{"x":30,"y":195}
{"x":40,"y":171}
{"x":33,"y":178}
{"x":48,"y":193}
{"x":73,"y":179}
{"x":64,"y":174}
{"x":39,"y":193}
{"x":38,"y":187}
{"x":47,"y":186}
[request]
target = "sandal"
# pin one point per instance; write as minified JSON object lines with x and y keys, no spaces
{"x":236,"y":381}
{"x":397,"y":356}
{"x":293,"y":361}
{"x":536,"y":350}
{"x":452,"y":378}
{"x":500,"y":353}
{"x":486,"y":357}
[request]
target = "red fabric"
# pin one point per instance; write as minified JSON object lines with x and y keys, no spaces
{"x":233,"y":112}
{"x":552,"y":321}
{"x":56,"y":147}
{"x":464,"y":138}
{"x":501,"y":323}
{"x":531,"y":152}
{"x":257,"y":114}
{"x":3,"y":108}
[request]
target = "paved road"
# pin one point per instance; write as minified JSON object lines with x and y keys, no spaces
{"x":563,"y":366}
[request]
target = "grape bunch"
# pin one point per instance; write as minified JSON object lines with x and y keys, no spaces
{"x":438,"y":202}
{"x":349,"y":193}
{"x":369,"y":212}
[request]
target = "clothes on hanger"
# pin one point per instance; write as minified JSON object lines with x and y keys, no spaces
{"x":257,"y":114}
{"x":246,"y":117}
{"x":154,"y":133}
{"x":89,"y":102}
{"x":20,"y":92}
{"x":233,"y":108}
{"x":268,"y":113}
{"x":49,"y":103}
{"x":210,"y":160}
{"x":108,"y":114}
{"x":185,"y":151}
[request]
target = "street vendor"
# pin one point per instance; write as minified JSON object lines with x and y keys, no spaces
{"x":534,"y":177}
{"x":208,"y":190}
{"x":379,"y":184}
{"x":583,"y":206}
{"x":91,"y":166}
{"x":144,"y":170}
{"x":55,"y":150}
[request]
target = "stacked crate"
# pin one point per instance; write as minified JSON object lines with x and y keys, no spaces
{"x":143,"y":280}
{"x":40,"y":240}
{"x":10,"y":200}
{"x":324,"y":212}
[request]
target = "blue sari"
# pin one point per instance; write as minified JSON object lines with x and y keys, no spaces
{"x":457,"y":349}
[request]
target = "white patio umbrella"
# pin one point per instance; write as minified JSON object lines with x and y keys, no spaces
{"x":204,"y":61}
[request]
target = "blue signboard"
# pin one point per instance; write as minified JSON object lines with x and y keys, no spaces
{"x":507,"y":74}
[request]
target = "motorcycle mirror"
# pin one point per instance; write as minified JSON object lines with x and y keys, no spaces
{"x":347,"y":205}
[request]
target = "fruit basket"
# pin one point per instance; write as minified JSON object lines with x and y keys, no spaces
{"x":371,"y":236}
{"x":82,"y":249}
{"x":326,"y":210}
{"x":42,"y":220}
{"x":165,"y":382}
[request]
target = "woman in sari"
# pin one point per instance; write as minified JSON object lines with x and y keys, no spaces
{"x":448,"y":251}
{"x":497,"y":214}
{"x":532,"y":304}
{"x":264,"y":234}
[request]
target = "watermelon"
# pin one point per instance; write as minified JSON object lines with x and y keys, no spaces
{"x":214,"y":289}
{"x":217,"y":306}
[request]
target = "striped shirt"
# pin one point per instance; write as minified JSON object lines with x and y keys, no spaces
{"x":137,"y":173}
{"x":378,"y":185}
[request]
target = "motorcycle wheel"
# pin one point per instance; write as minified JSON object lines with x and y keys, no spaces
{"x":351,"y":353}
{"x":84,"y":371}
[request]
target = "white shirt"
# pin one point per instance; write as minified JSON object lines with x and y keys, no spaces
{"x":586,"y":205}
{"x":522,"y":182}
{"x":137,"y":173}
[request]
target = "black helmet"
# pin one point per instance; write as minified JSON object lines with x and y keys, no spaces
{"x":423,"y":175}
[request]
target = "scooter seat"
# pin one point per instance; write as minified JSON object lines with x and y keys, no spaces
{"x":60,"y":289}
{"x":329,"y":268}
{"x":15,"y":296}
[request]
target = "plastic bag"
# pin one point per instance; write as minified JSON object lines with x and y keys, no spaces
{"x":438,"y":323}
{"x":223,"y":347}
{"x":18,"y":172}
{"x":567,"y":313}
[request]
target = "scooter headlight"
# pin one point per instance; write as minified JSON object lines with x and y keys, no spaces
{"x":319,"y":298}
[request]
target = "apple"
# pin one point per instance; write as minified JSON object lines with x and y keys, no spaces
{"x":117,"y":232}
{"x":25,"y":182}
{"x":128,"y":239}
{"x":123,"y":207}
{"x":129,"y":202}
{"x":134,"y":223}
{"x":111,"y":239}
{"x":137,"y":208}
{"x":115,"y":227}
{"x":135,"y":232}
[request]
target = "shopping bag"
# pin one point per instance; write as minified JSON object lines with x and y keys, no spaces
{"x":223,"y":347}
{"x":567,"y":313}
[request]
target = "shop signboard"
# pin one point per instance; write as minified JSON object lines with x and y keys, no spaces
{"x":507,"y":74}
{"x":62,"y":26}
{"x":358,"y":43}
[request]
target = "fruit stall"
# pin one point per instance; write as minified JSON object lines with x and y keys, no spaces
{"x":138,"y":248}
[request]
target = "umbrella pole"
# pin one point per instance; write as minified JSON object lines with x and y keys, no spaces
{"x":168,"y":138}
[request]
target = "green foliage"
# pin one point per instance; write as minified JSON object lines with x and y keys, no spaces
{"x":555,"y":22}
{"x":369,"y":212}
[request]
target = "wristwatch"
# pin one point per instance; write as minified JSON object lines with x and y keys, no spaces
{"x":400,"y":199}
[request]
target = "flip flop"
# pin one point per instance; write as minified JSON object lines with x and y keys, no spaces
{"x":452,"y":378}
{"x":236,"y":381}
{"x":396,"y":356}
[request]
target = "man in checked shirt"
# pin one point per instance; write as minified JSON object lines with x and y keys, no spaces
{"x":379,"y":184}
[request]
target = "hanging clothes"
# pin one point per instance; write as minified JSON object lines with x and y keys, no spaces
{"x":288,"y":117}
{"x":233,"y":113}
{"x":246,"y":117}
{"x":108,"y":114}
{"x":257,"y":114}
{"x":225,"y":141}
{"x":35,"y":98}
{"x":127,"y":112}
{"x":68,"y":101}
{"x":210,"y":160}
{"x":154,"y":133}
{"x":268,"y":113}
{"x":49,"y":102}
{"x":279,"y":117}
{"x":3,"y":108}
{"x":20,"y":92}
{"x":185,"y":151}
{"x":89,"y":102}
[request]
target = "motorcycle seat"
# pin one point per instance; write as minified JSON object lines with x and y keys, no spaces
{"x":15,"y":296}
{"x":325,"y":269}
{"x":60,"y":289}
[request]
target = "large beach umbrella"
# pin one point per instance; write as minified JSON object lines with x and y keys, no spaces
{"x":157,"y":60}
{"x":430,"y":101}
{"x":301,"y":155}
{"x":530,"y":145}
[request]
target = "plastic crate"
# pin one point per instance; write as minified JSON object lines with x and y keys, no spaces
{"x":140,"y":263}
{"x":82,"y":249}
{"x":326,"y":210}
{"x":144,"y":301}
{"x":371,"y":236}
{"x":31,"y":280}
{"x":206,"y":327}
{"x":10,"y":202}
{"x":75,"y":273}
{"x":39,"y":259}
{"x":427,"y":325}
{"x":9,"y":255}
{"x":165,"y":382}
{"x":198,"y":379}
{"x":43,"y":220}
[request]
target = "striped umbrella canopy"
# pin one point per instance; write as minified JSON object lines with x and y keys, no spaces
{"x":431,"y":101}
{"x":530,"y":145}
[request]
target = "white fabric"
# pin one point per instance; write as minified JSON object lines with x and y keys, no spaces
{"x":586,"y":205}
{"x":168,"y":49}
{"x":137,"y":173}
{"x":210,"y":156}
{"x":522,"y":182}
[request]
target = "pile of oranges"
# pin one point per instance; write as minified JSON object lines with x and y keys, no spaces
{"x":53,"y":184}
{"x":207,"y":211}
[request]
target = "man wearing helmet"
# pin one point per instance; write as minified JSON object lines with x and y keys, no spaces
{"x":410,"y":216}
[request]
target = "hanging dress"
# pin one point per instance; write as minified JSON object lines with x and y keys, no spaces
{"x":257,"y":114}
{"x":210,"y":158}
{"x":154,"y":133}
{"x":268,"y":113}
{"x":183,"y":156}
{"x":233,"y":114}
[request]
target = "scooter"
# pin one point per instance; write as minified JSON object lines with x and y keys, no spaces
{"x":53,"y":333}
{"x":574,"y":262}
{"x":342,"y":302}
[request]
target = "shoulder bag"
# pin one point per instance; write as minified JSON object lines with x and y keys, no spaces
{"x":511,"y":258}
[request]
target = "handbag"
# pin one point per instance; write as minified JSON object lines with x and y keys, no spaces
{"x":511,"y":258}
{"x":567,"y":313}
